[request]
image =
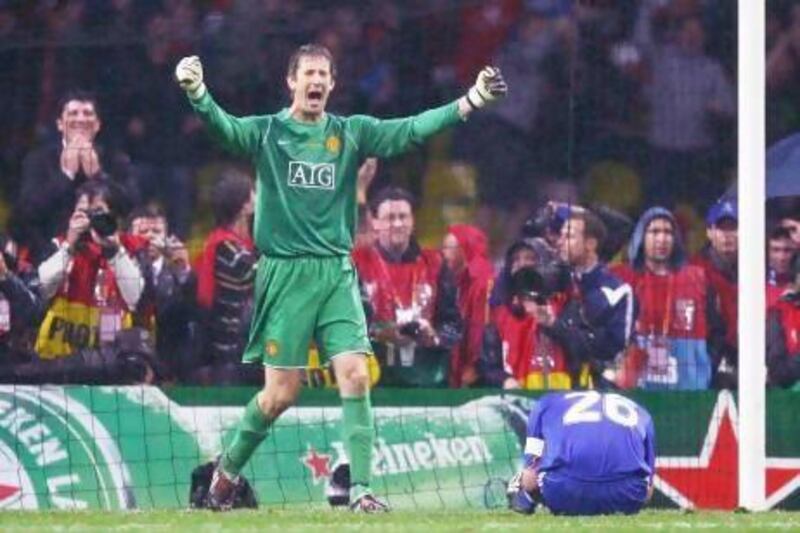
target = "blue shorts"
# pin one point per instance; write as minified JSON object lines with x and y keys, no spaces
{"x":567,"y":496}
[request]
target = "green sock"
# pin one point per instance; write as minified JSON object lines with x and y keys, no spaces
{"x":252,"y":430}
{"x":358,"y":434}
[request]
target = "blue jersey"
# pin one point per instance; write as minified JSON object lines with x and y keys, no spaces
{"x":589,"y":436}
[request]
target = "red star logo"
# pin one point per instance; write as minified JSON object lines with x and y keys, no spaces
{"x":318,"y":463}
{"x":783,"y":478}
{"x":711,"y":480}
{"x":7,"y":491}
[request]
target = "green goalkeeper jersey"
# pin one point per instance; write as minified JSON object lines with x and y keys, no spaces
{"x":306,"y":173}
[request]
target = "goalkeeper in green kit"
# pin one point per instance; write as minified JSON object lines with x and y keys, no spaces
{"x":305,"y":219}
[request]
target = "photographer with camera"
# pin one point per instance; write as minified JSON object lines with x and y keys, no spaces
{"x":516,"y":352}
{"x":546,"y":222}
{"x":92,"y":283}
{"x":415,"y":320}
{"x":20,"y":307}
{"x":168,"y":305}
{"x":595,"y":323}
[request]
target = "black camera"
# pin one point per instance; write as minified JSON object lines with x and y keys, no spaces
{"x":104,"y":223}
{"x":409,"y":329}
{"x":541,"y":282}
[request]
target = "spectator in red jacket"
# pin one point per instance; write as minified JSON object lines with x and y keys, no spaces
{"x":92,"y":284}
{"x":465,"y":253}
{"x":517,"y":352}
{"x":783,"y":335}
{"x":415,"y":319}
{"x":669,"y":348}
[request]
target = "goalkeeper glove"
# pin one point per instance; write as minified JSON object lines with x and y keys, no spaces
{"x":189,"y":74}
{"x":519,"y":499}
{"x":489,"y":86}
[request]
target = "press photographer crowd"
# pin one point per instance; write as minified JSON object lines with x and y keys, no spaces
{"x":584,"y":297}
{"x":97,"y":287}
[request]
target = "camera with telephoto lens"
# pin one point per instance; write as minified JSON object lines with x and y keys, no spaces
{"x":104,"y":223}
{"x":541,"y":282}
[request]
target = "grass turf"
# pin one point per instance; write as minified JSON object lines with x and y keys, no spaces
{"x":429,"y":521}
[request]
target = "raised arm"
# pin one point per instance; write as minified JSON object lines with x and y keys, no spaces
{"x":238,"y":135}
{"x":386,"y":138}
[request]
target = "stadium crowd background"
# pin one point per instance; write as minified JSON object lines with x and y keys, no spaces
{"x":624,"y":104}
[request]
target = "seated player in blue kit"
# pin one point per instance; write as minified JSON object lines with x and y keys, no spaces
{"x":586,"y":453}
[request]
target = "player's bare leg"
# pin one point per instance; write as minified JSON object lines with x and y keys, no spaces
{"x":358,"y":431}
{"x":281,"y":387}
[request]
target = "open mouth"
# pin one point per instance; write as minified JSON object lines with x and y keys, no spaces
{"x":315,"y":96}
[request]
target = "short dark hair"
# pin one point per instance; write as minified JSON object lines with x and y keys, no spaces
{"x":105,"y":189}
{"x":77,"y":95}
{"x":228,"y":196}
{"x":310,"y":50}
{"x":146,"y":211}
{"x":779,"y":232}
{"x":391,"y":193}
{"x":593,"y":226}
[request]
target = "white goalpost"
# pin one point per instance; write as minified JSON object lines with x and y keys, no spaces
{"x":752,"y":266}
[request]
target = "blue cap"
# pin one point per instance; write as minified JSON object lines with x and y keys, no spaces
{"x":723,"y":208}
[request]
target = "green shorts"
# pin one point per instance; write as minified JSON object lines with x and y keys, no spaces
{"x":302,"y":299}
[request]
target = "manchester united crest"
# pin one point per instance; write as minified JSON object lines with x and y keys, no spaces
{"x":333,"y":144}
{"x":271,"y":348}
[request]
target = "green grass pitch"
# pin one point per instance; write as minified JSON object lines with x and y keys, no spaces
{"x":429,"y":521}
